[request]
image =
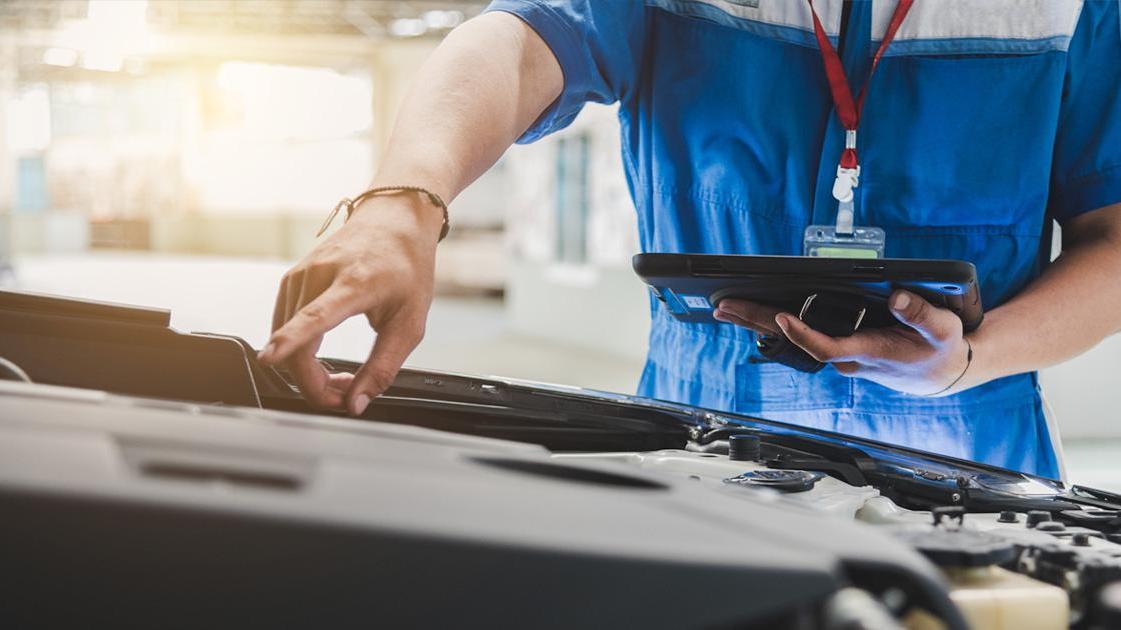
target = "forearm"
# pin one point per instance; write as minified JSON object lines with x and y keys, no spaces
{"x":482,"y":88}
{"x":1071,"y":307}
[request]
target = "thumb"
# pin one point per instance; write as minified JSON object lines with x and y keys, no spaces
{"x":933,"y":323}
{"x":391,"y":348}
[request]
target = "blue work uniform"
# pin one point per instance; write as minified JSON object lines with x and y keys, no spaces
{"x":985,"y":121}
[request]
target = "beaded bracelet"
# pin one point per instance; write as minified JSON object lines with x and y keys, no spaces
{"x":350,"y":204}
{"x":968,"y":362}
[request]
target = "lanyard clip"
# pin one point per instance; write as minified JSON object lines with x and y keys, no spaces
{"x":847,"y":180}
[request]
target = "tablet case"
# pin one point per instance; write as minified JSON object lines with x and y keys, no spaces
{"x":834,"y":295}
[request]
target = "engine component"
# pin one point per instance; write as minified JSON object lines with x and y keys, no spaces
{"x":958,"y":547}
{"x":950,"y":512}
{"x":1008,"y":516}
{"x":1035,"y":517}
{"x":995,"y":598}
{"x":743,"y":448}
{"x":781,"y":480}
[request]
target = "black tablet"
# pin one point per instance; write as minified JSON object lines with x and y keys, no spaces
{"x":691,"y":285}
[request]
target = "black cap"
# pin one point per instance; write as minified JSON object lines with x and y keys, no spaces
{"x":949,"y":512}
{"x":743,"y":448}
{"x":1035,"y":517}
{"x":1007,"y":516}
{"x":959,"y":547}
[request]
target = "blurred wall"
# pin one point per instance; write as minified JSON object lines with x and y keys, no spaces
{"x":591,"y":299}
{"x":1085,"y":393}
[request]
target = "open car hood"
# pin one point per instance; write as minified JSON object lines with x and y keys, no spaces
{"x":132,"y":350}
{"x":610,"y":480}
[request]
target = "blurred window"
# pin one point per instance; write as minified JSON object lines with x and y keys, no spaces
{"x":31,"y":184}
{"x":572,"y":199}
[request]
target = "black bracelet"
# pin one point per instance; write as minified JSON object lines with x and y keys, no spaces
{"x":968,"y":362}
{"x":351,"y":204}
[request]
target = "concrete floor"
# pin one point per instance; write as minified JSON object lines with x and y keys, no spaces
{"x":234,"y":296}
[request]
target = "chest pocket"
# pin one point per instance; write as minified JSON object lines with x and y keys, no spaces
{"x":960,"y":126}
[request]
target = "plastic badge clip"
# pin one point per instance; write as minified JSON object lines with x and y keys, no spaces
{"x":847,"y":180}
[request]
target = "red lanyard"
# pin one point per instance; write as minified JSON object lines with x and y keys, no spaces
{"x":848,"y":110}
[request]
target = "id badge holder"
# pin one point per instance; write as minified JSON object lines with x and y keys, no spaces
{"x":862,"y":242}
{"x":844,"y":240}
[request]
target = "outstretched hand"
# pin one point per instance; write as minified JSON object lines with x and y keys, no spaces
{"x":922,"y":355}
{"x":380,"y":264}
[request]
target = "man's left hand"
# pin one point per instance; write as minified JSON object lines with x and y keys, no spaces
{"x":923,"y":355}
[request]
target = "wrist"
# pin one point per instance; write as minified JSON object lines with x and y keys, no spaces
{"x":954,"y":375}
{"x":415,"y":174}
{"x":409,"y":211}
{"x":983,"y":368}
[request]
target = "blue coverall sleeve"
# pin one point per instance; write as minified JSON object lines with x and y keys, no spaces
{"x":1086,"y":173}
{"x":598,"y":44}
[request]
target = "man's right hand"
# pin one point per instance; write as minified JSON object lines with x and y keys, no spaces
{"x":380,"y":263}
{"x":478,"y":91}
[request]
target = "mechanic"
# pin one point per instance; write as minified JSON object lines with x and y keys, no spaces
{"x":984,"y":121}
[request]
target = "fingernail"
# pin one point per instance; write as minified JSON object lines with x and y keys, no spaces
{"x":901,"y":301}
{"x":359,"y":404}
{"x":783,"y":321}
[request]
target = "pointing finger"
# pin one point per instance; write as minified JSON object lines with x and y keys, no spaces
{"x":325,"y":312}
